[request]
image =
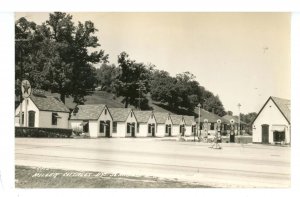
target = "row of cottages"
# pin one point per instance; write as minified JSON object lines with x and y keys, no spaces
{"x":42,"y":111}
{"x":273,"y":122}
{"x":101,"y":121}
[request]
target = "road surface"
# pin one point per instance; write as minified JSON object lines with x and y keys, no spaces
{"x":234,"y":165}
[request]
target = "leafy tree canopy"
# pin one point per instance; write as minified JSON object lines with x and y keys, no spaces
{"x":58,"y":55}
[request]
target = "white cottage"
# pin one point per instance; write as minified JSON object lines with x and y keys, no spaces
{"x":44,"y":112}
{"x":178,"y":125}
{"x":273,"y":122}
{"x":146,"y":124}
{"x":95,"y":120}
{"x":164,"y":124}
{"x":124,"y":122}
{"x":190,"y":125}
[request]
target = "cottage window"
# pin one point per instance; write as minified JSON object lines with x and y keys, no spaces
{"x":131,"y":114}
{"x":102,"y":124}
{"x":149,"y":128}
{"x":138,"y":127}
{"x":105,"y":111}
{"x":54,"y":118}
{"x":115,"y":127}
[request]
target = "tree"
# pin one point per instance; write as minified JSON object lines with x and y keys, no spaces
{"x":230,"y":113}
{"x":248,"y":118}
{"x":106,"y":76}
{"x":132,"y":81}
{"x":163,"y":88}
{"x":214,"y":105}
{"x":58,"y":55}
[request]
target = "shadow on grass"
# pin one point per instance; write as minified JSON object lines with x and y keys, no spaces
{"x":32,"y":177}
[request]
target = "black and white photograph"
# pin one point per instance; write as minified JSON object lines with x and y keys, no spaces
{"x":152,"y":100}
{"x":149,"y":98}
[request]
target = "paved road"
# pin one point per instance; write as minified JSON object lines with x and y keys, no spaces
{"x":233,"y":166}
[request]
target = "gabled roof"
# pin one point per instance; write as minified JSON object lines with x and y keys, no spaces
{"x":119,"y":114}
{"x":161,"y":117}
{"x":176,"y":119}
{"x":142,"y":116}
{"x":87,"y":112}
{"x":211,"y":117}
{"x":189,"y":120}
{"x":49,"y":103}
{"x":283,"y":105}
{"x":235,"y":118}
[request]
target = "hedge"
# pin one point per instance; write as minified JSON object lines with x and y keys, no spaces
{"x":42,"y":132}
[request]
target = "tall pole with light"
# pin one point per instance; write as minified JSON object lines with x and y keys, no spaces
{"x":239,"y":123}
{"x":199,"y":107}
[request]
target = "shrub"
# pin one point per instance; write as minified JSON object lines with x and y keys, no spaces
{"x":42,"y":132}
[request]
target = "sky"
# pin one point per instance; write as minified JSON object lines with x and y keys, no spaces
{"x":241,"y":57}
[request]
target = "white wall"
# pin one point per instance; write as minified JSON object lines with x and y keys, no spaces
{"x":143,"y":131}
{"x":175,"y":130}
{"x":94,"y":128}
{"x":30,"y":107}
{"x":161,"y":130}
{"x":121,"y":129}
{"x":272,"y":116}
{"x":45,"y":120}
{"x":188,"y":130}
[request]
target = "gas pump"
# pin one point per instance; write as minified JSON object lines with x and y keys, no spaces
{"x":232,"y":133}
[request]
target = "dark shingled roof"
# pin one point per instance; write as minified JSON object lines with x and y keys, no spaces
{"x":176,"y":119}
{"x":189,"y":120}
{"x":211,"y":117}
{"x":235,"y":118}
{"x":119,"y":114}
{"x":142,"y":116}
{"x":161,"y":117}
{"x":49,"y":103}
{"x":87,"y":112}
{"x":284,"y":106}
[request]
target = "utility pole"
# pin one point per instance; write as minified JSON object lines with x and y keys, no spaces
{"x":199,"y":106}
{"x":21,"y":79}
{"x":140,"y":89}
{"x":239,"y":129}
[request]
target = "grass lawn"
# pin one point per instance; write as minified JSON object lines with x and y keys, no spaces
{"x":32,"y":177}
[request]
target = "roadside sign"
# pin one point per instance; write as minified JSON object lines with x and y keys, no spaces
{"x":26,"y":88}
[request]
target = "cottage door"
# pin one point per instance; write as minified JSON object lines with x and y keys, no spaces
{"x":169,"y":128}
{"x":107,"y":129}
{"x":153,"y":130}
{"x":265,"y":133}
{"x":128,"y":128}
{"x":133,"y":129}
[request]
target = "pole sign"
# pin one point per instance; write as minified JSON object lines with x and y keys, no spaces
{"x":26,"y":88}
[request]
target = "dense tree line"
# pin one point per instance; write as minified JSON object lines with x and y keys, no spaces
{"x":59,"y":56}
{"x":181,"y":91}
